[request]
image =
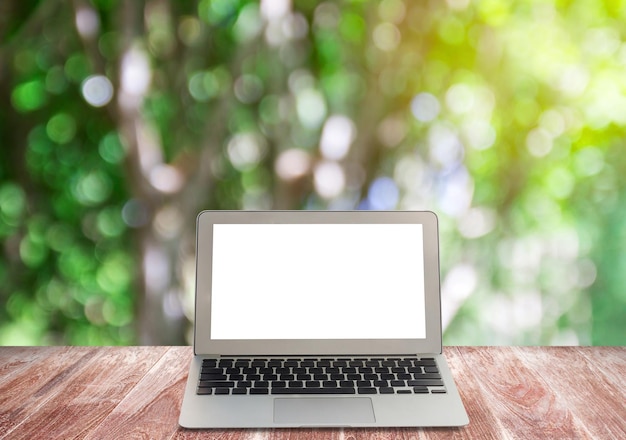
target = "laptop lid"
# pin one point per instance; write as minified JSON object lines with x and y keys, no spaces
{"x":317,"y":283}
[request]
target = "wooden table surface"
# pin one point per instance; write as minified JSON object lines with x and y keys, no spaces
{"x":135,"y":392}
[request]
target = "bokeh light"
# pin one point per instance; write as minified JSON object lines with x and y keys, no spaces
{"x":97,"y":90}
{"x":337,"y":135}
{"x":425,"y":107}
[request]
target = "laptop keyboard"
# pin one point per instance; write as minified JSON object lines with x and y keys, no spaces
{"x":260,"y":376}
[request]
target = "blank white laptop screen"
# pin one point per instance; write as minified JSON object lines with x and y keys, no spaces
{"x":317,"y":281}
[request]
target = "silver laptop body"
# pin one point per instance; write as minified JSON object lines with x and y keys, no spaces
{"x":327,"y":289}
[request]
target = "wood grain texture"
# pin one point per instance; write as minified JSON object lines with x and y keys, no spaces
{"x":518,"y":398}
{"x":136,"y":392}
{"x":589,"y":378}
{"x":32,"y":377}
{"x":86,"y":387}
{"x":149,"y":408}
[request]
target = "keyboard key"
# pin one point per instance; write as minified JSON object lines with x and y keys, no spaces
{"x":386,"y":390}
{"x":279,"y":384}
{"x":226,"y":363}
{"x":216,"y":384}
{"x":259,"y":391}
{"x":426,"y":382}
{"x":240,"y":391}
{"x":367,"y":390}
{"x":200,"y":390}
{"x":211,"y":376}
{"x":420,"y":390}
{"x":427,"y":376}
{"x":313,"y":391}
{"x":222,"y":391}
{"x":312,"y":384}
{"x":439,"y":391}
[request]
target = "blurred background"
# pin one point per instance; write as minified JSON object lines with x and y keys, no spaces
{"x":120,"y":120}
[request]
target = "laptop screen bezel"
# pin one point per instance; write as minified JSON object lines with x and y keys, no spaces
{"x":205,"y":345}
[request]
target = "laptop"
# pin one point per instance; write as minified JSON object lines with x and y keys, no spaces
{"x":318,"y":319}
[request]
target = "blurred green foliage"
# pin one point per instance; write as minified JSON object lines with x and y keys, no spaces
{"x":121,"y":120}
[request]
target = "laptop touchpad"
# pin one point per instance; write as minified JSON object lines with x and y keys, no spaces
{"x":320,"y":411}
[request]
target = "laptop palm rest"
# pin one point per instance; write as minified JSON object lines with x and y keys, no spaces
{"x":320,"y":411}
